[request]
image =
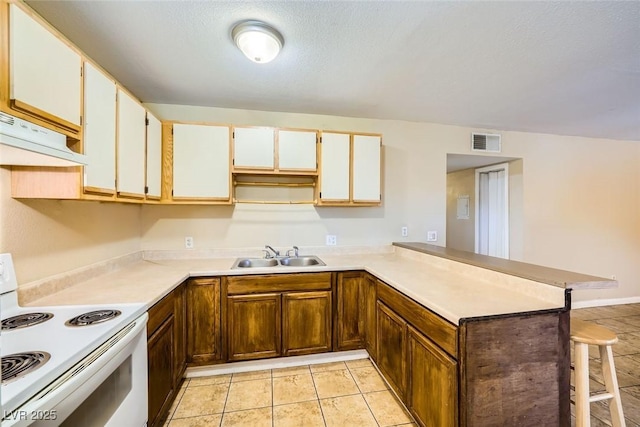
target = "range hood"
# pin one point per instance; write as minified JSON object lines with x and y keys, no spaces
{"x":25,"y":144}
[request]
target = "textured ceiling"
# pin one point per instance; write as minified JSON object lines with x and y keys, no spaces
{"x":570,"y":68}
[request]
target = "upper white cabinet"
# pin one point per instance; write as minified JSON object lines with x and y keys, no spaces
{"x":297,"y":150}
{"x":253,"y":148}
{"x":154,"y":157}
{"x":131,"y":146}
{"x":45,"y":72}
{"x":350,"y":169}
{"x":201,"y":162}
{"x":366,"y":168}
{"x":334,"y":167}
{"x":99,"y":131}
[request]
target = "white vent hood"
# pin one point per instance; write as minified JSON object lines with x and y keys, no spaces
{"x":26,"y":144}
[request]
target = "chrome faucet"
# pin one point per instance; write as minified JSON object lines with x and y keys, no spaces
{"x":295,"y":251}
{"x":276,"y":253}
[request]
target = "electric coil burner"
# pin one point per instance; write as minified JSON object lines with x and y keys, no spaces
{"x":17,"y":365}
{"x":93,"y":317}
{"x":24,"y":320}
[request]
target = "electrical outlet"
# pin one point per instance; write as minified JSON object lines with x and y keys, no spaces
{"x":332,"y":240}
{"x":405,"y":231}
{"x":613,"y":277}
{"x":188,"y":242}
{"x":432,"y":236}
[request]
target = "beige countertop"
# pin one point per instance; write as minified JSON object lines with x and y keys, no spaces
{"x":552,"y":276}
{"x":452,"y":289}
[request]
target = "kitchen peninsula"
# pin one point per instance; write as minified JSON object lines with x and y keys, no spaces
{"x":489,"y":345}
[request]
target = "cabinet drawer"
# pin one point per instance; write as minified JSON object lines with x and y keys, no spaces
{"x":278,"y":283}
{"x":441,"y":332}
{"x":159,"y":313}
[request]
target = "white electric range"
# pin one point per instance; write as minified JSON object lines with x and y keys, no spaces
{"x":71,"y":365}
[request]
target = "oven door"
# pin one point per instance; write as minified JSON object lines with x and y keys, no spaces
{"x":107,"y":388}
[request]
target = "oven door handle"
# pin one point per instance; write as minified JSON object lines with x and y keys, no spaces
{"x":88,"y":369}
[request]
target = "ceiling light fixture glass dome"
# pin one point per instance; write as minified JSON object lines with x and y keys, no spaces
{"x":258,"y":41}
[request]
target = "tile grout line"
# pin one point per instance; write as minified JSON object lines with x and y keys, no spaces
{"x":313,"y":380}
{"x":273,"y":418}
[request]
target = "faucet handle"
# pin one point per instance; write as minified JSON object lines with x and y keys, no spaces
{"x":295,"y":251}
{"x":267,"y":254}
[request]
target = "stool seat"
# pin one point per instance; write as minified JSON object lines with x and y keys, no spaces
{"x":590,"y":333}
{"x":584,"y":334}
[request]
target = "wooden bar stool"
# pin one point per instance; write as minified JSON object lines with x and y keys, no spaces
{"x":584,"y":334}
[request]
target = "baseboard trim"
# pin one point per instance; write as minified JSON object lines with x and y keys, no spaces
{"x":603,"y":302}
{"x":280,"y":362}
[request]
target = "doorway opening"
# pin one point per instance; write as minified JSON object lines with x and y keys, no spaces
{"x":492,"y":210}
{"x":462,"y":201}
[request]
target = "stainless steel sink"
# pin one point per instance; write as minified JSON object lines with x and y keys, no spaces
{"x":254,"y":263}
{"x":303,"y":261}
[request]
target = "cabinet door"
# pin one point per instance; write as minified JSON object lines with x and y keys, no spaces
{"x":201,"y":162}
{"x":99,"y":137}
{"x":392,"y":348}
{"x":297,"y":150}
{"x":253,"y":148}
{"x":254,"y":326}
{"x":366,"y":168}
{"x":351,"y":310}
{"x":45,"y":72}
{"x":154,"y":157}
{"x":160,"y":354}
{"x":432,"y":392}
{"x":334,"y":167}
{"x":131,"y":146}
{"x":180,"y":324}
{"x":369,"y":285}
{"x":203,"y":314}
{"x":306,"y":322}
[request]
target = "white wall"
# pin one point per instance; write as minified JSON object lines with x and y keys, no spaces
{"x":580,"y":206}
{"x":47,"y":237}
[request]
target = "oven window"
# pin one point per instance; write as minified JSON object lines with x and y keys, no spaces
{"x":100,"y":406}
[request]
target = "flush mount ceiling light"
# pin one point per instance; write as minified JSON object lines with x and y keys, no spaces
{"x":258,"y":41}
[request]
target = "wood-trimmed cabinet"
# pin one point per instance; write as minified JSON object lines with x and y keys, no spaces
{"x":196,"y":159}
{"x":45,"y":72}
{"x":276,"y":315}
{"x":166,"y":353}
{"x":350,"y":169}
{"x":279,"y":151}
{"x":99,"y":142}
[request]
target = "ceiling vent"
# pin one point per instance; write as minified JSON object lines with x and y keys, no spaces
{"x":487,"y":142}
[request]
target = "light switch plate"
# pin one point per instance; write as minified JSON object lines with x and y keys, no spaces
{"x":332,"y":240}
{"x":432,"y":236}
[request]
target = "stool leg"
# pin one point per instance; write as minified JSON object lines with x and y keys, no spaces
{"x":581,"y":372}
{"x":611,"y":384}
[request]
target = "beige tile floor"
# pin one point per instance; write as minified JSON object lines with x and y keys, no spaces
{"x":624,"y":320}
{"x":333,"y":394}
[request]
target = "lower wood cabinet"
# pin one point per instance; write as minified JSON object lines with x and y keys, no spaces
{"x":161,"y":371}
{"x":180,"y":344}
{"x":254,"y":326}
{"x":432,"y":386}
{"x":204,"y":333}
{"x":165,"y":353}
{"x":370,"y":317}
{"x":278,"y":315}
{"x":306,"y":322}
{"x":350,"y":313}
{"x":392,"y":348}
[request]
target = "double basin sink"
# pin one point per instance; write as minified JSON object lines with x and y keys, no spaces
{"x":300,"y":261}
